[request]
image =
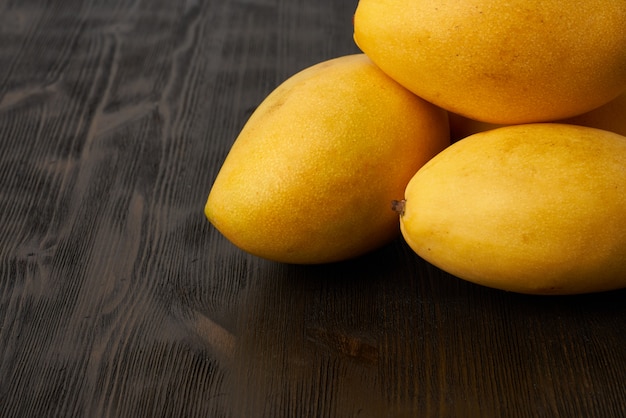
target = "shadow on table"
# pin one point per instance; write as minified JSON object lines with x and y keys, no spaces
{"x":388,"y":334}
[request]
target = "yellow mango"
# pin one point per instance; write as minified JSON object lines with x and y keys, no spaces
{"x":610,"y":117}
{"x":536,"y":208}
{"x":311,"y":175}
{"x":502,"y":62}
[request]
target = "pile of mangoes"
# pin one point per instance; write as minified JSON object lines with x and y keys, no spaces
{"x":490,"y":134}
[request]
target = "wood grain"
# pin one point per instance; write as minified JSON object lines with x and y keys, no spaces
{"x":117,"y":298}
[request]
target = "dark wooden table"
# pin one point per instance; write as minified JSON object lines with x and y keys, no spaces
{"x":118,"y":299}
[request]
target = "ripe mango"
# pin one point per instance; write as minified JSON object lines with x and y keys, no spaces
{"x":610,"y":117}
{"x":311,"y":175}
{"x":512,"y":62}
{"x":536,"y":208}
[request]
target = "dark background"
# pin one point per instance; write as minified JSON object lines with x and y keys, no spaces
{"x":118,"y":299}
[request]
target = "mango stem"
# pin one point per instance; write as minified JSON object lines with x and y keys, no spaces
{"x":398,"y":206}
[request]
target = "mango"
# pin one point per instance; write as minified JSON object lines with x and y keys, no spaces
{"x":610,"y":117}
{"x":535,"y":208}
{"x":519,"y":61}
{"x":312,"y":173}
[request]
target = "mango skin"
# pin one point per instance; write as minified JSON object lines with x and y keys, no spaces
{"x":536,"y":209}
{"x":610,"y":117}
{"x":519,"y":61}
{"x":311,"y":175}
